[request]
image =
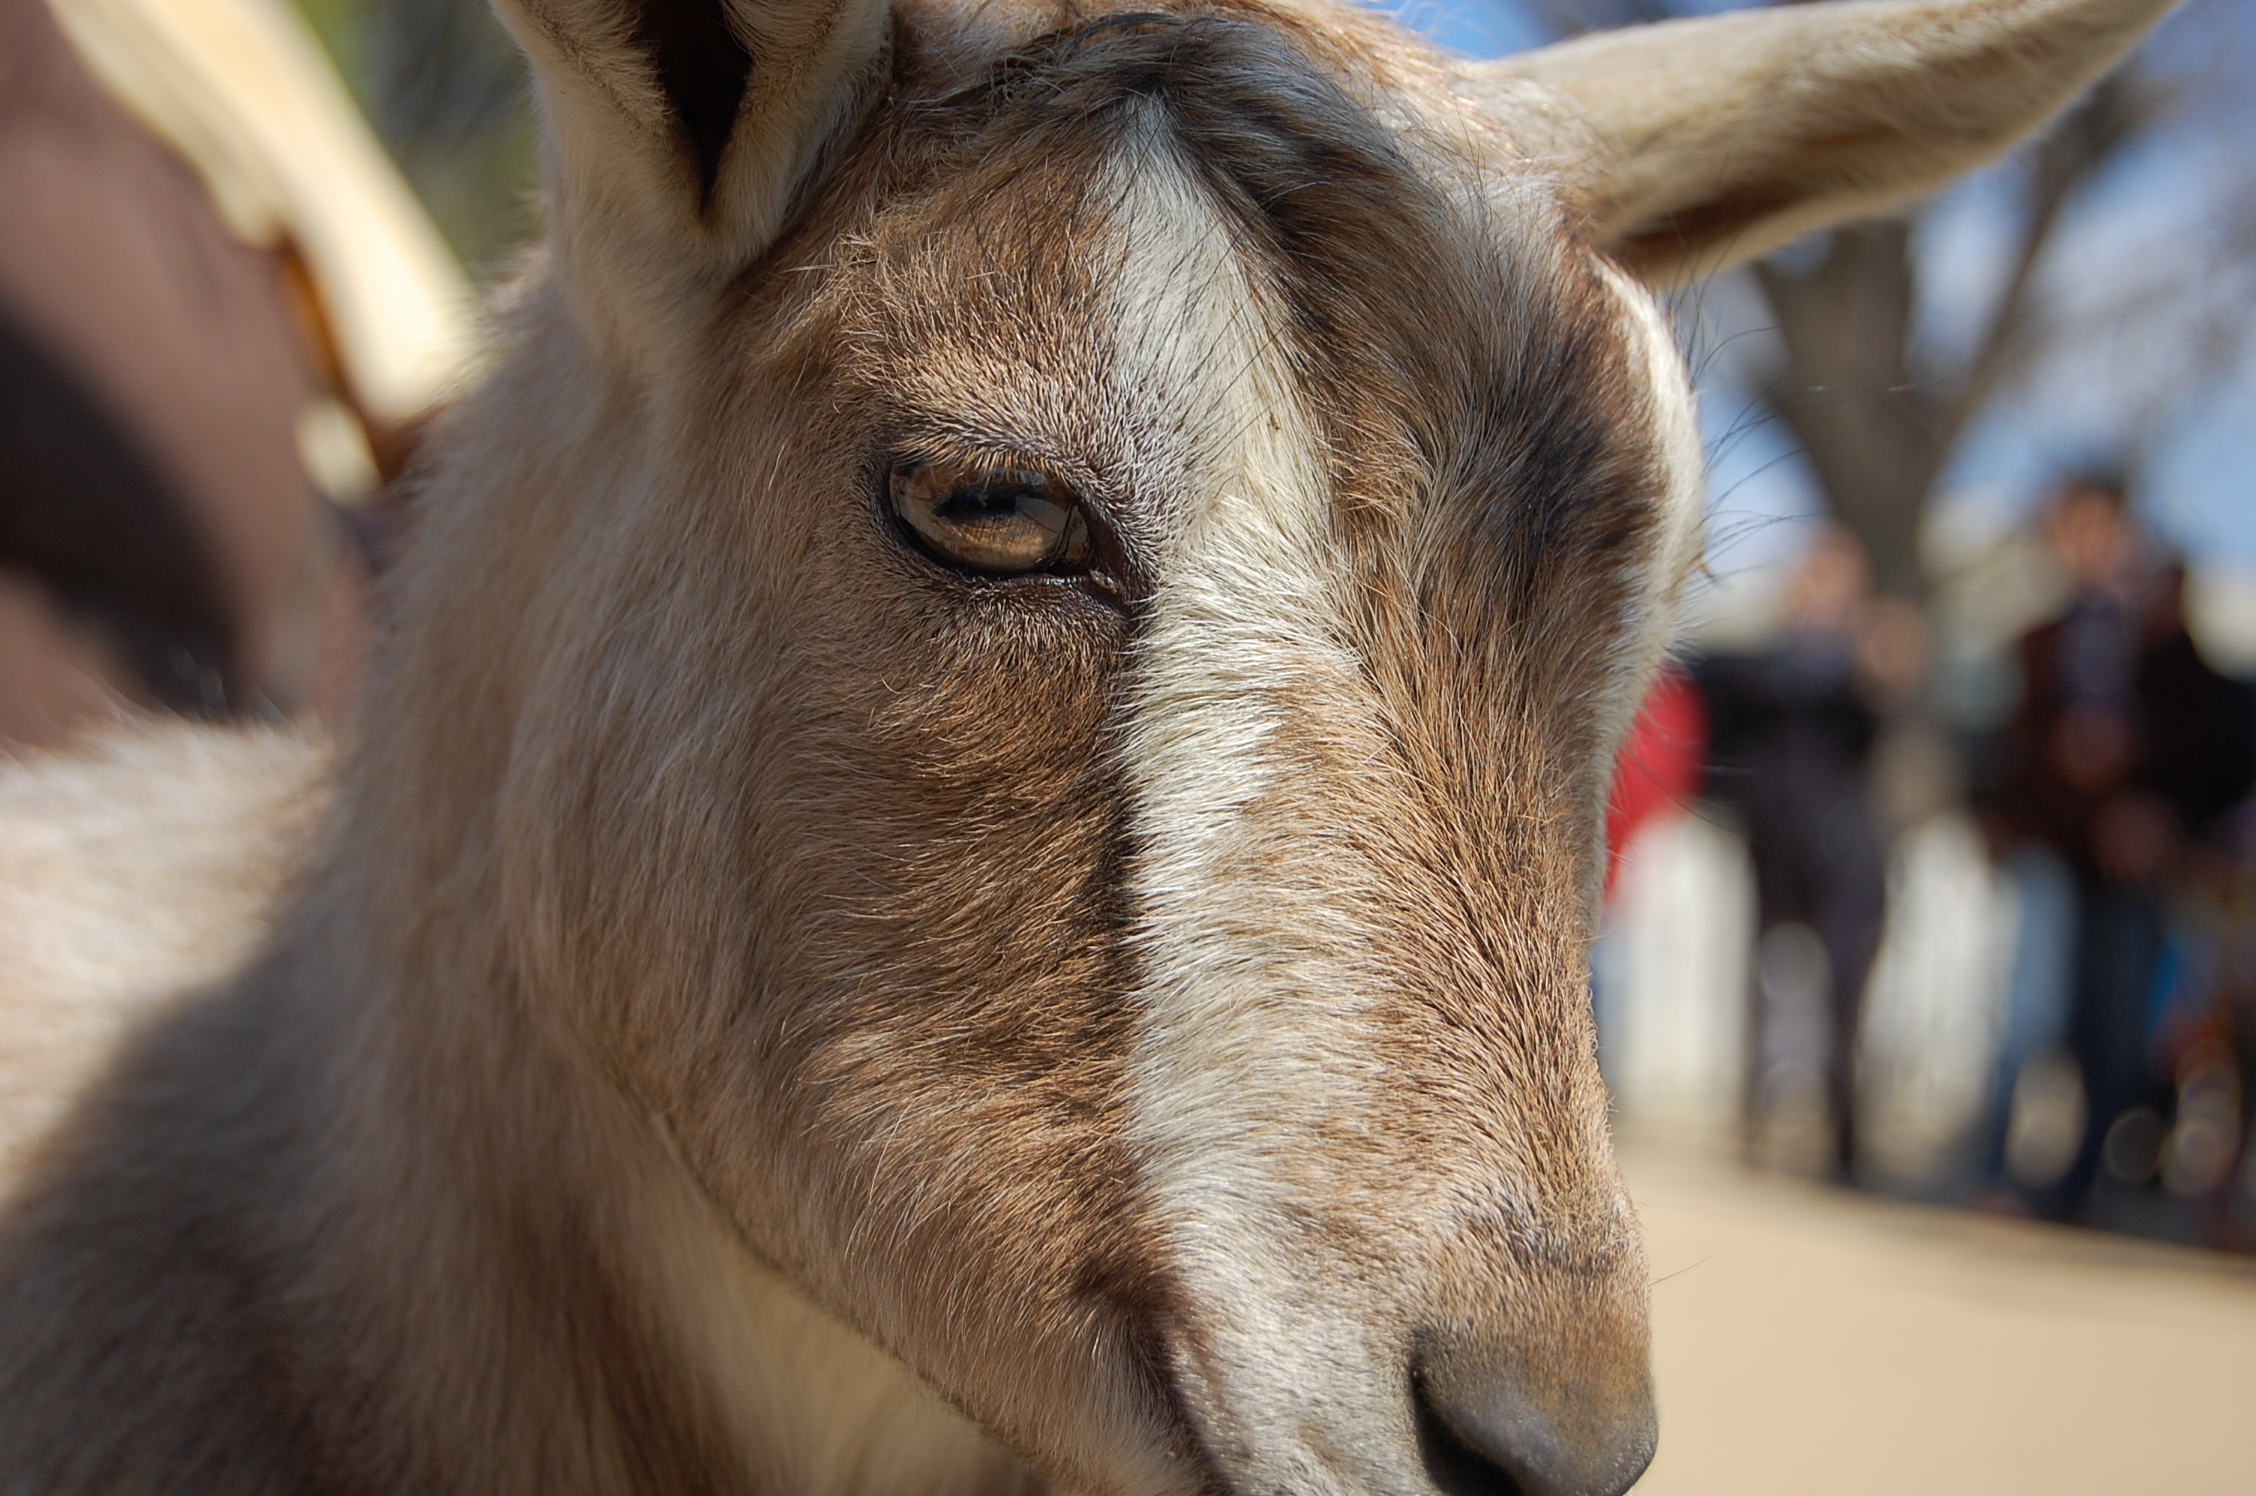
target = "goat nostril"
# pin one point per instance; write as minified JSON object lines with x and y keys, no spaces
{"x":1455,"y":1468}
{"x":1491,"y":1439}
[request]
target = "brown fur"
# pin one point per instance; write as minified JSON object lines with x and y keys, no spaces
{"x":717,"y":1044}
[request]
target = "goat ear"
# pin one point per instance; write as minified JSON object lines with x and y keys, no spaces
{"x":1692,"y":145}
{"x":677,"y":133}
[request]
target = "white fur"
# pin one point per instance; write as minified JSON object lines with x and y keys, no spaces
{"x":130,"y":873}
{"x":813,"y":1406}
{"x":1254,"y":1035}
{"x":1677,"y":538}
{"x":1252,"y":1031}
{"x":1677,"y":428}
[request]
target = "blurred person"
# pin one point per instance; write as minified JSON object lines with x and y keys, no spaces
{"x":2198,"y":1042}
{"x":1659,"y":766}
{"x":2230,"y":882}
{"x":1792,"y":733}
{"x":1657,"y":773}
{"x":2125,"y":754}
{"x":2032,"y":1124}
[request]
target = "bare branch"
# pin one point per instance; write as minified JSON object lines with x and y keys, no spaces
{"x":2068,"y":158}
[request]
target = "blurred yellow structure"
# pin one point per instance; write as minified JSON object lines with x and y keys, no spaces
{"x":1821,"y":1343}
{"x":242,"y":89}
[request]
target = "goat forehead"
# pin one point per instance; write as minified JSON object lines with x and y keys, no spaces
{"x":1401,"y":276}
{"x":1186,"y":251}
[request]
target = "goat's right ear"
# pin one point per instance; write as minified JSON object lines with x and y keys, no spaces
{"x":1690,"y":145}
{"x":677,"y":133}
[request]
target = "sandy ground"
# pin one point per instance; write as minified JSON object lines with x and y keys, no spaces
{"x":1826,"y":1344}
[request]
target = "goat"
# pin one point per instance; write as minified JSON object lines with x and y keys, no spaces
{"x":969,"y":862}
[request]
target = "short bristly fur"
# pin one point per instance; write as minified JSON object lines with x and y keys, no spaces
{"x":762,"y":1011}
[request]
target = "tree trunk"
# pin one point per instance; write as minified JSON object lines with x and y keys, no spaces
{"x":1869,"y":432}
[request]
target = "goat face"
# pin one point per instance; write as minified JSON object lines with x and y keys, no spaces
{"x":1087,"y":576}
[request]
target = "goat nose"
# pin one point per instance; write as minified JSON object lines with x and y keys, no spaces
{"x":1491,"y":1428}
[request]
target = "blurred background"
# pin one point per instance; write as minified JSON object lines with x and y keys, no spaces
{"x":1933,"y":869}
{"x":1935,"y":851}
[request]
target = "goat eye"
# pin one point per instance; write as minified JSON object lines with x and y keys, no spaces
{"x":1002,"y":521}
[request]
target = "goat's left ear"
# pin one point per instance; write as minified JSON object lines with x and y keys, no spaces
{"x":1696,"y":144}
{"x":677,"y":134}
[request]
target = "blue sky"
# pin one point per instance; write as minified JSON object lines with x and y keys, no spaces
{"x":2132,"y":278}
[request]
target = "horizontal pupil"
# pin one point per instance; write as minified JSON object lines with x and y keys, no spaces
{"x":1003,"y":521}
{"x":993,"y":503}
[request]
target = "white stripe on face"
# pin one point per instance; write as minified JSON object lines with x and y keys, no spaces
{"x":1676,"y":538}
{"x":1253,"y":1038}
{"x":1257,"y":771}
